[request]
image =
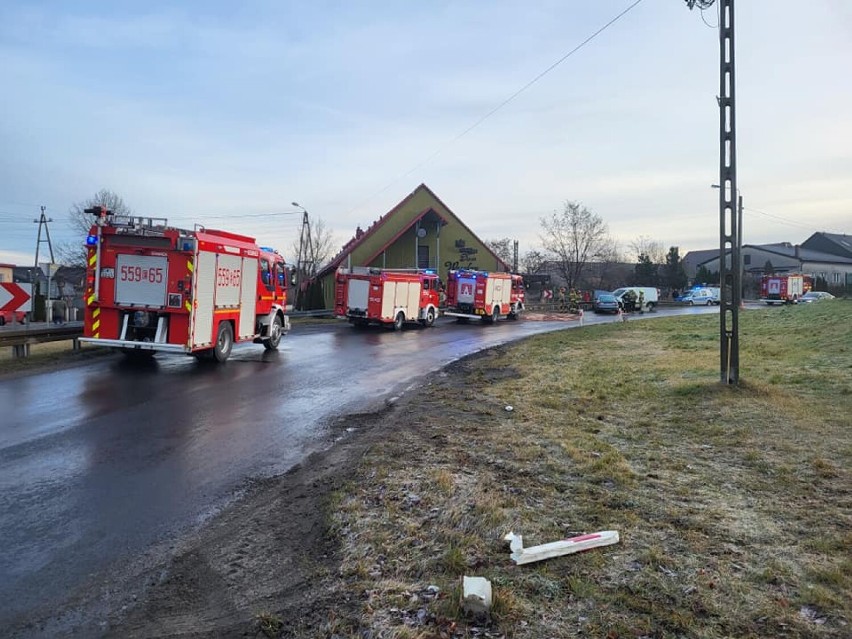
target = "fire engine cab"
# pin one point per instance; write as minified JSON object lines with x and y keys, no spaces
{"x":390,"y":297}
{"x":485,"y":296}
{"x":152,"y":287}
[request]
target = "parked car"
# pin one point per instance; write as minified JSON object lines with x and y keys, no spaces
{"x":703,"y":297}
{"x":7,"y":317}
{"x":606,"y":303}
{"x":815,"y":296}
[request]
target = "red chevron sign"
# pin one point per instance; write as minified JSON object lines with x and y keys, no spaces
{"x":15,"y":297}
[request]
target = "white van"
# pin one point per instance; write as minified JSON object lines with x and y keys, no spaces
{"x":650,"y":296}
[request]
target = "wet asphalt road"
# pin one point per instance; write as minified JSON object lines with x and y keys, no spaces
{"x":100,"y":462}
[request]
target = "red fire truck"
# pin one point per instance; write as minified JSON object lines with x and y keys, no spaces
{"x":483,"y":295}
{"x":152,"y":287}
{"x":782,"y":289}
{"x":387,"y":296}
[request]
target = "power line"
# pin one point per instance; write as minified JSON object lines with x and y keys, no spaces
{"x":784,"y":220}
{"x":499,"y":106}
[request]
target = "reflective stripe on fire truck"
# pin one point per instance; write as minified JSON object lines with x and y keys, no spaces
{"x":93,"y":257}
{"x":187,"y":306}
{"x":189,"y":266}
{"x":96,"y":322}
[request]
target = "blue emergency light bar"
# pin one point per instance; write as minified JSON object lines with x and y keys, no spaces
{"x":92,"y":240}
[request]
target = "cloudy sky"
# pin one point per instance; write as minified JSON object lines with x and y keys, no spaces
{"x":220,"y":113}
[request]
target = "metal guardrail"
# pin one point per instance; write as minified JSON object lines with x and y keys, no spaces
{"x":21,"y":338}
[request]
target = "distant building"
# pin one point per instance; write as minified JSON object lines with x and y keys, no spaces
{"x":832,"y":261}
{"x":832,"y":243}
{"x":6,"y":271}
{"x":419,"y":232}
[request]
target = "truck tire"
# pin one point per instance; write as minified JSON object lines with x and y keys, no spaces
{"x":430,"y":318}
{"x":398,"y":321}
{"x":495,"y":315}
{"x":271,"y":343}
{"x":224,"y":342}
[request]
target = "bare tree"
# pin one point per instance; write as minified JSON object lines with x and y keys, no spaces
{"x":611,"y":271}
{"x":504,"y":248}
{"x":532,"y":261}
{"x":574,"y":237}
{"x":652,"y":249}
{"x":324,"y":243}
{"x":73,"y":253}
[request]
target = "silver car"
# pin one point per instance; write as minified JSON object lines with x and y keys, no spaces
{"x":815,"y":296}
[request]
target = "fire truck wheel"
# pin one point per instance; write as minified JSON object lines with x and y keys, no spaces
{"x":271,"y":343}
{"x":495,"y":315}
{"x":398,"y":321}
{"x":430,"y":318}
{"x":224,"y":342}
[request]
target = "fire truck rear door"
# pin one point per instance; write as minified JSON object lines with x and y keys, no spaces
{"x":141,"y":279}
{"x":357,"y":294}
{"x":466,"y":287}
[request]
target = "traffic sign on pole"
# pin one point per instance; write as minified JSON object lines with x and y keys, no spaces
{"x":15,"y":297}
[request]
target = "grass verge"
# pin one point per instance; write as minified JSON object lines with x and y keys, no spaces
{"x":734,"y":505}
{"x":46,"y":356}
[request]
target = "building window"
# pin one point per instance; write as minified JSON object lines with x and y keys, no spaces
{"x":836,"y":278}
{"x":746,"y":259}
{"x":422,"y":256}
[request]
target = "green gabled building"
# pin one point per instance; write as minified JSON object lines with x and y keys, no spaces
{"x":419,"y":232}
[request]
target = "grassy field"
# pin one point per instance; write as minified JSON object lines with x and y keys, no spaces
{"x":734,"y":505}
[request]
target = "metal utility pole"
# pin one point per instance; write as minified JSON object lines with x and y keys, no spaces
{"x":306,"y":260}
{"x":42,"y":222}
{"x":730,"y":273}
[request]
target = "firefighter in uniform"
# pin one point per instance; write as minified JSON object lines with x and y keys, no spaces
{"x":641,"y":301}
{"x":573,"y":301}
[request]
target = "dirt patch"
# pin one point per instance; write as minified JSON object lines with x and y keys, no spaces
{"x":267,"y":559}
